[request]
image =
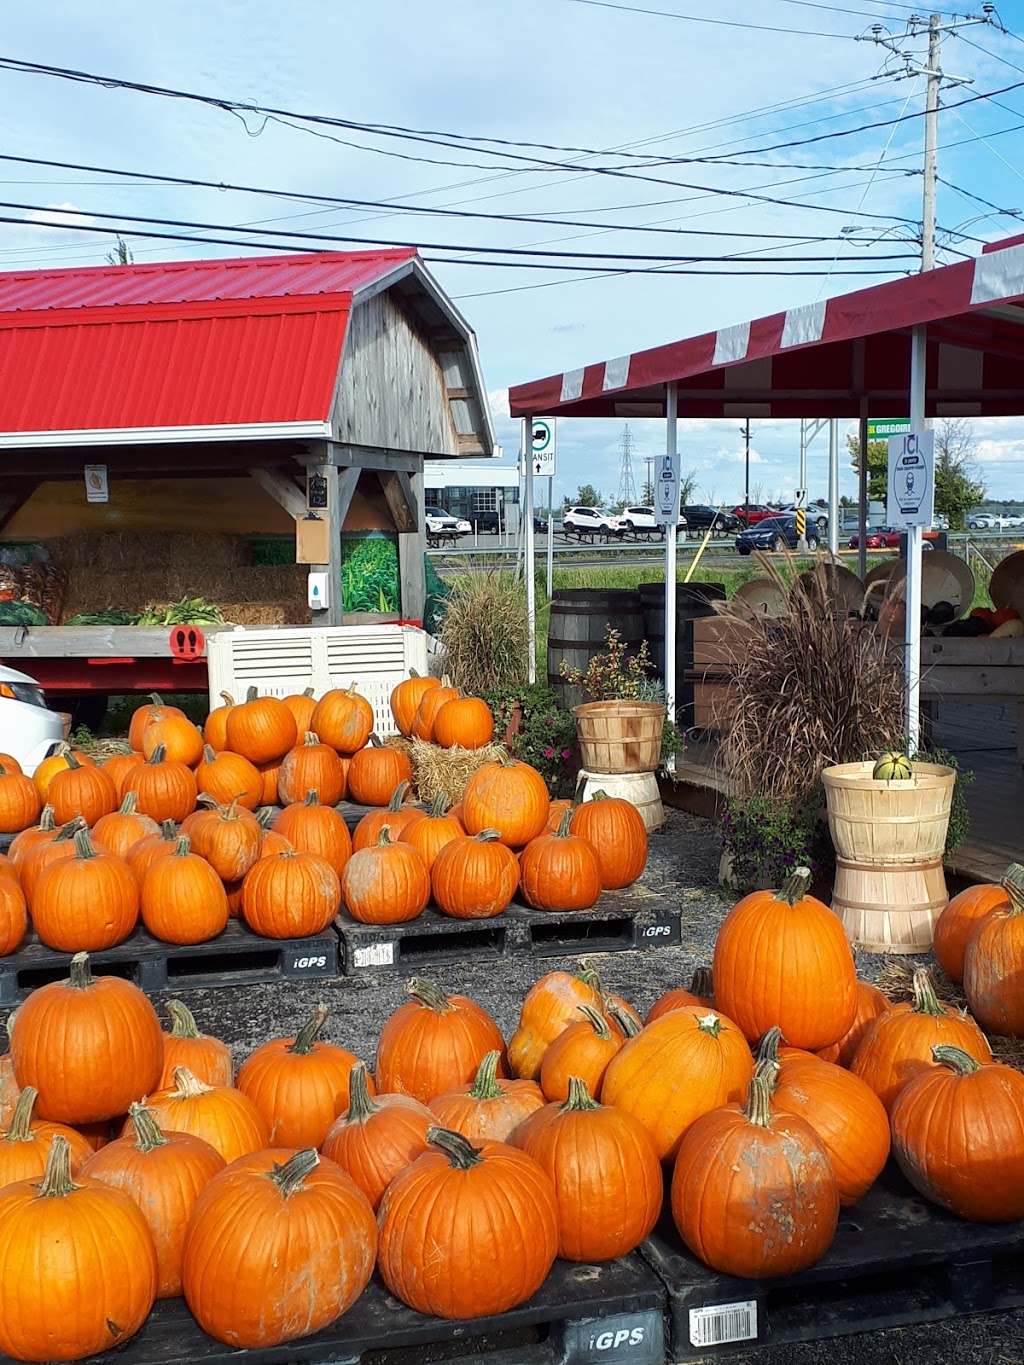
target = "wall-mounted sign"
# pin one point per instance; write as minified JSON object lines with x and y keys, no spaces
{"x":912,"y":479}
{"x":96,"y":489}
{"x":316,"y":492}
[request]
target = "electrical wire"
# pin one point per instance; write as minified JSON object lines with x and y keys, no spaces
{"x":706,"y":19}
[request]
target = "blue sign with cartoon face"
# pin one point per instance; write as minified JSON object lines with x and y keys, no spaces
{"x":911,"y":479}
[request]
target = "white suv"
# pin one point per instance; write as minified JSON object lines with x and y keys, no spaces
{"x":442,"y":523}
{"x":646,"y":519}
{"x":29,"y":731}
{"x":591,"y":521}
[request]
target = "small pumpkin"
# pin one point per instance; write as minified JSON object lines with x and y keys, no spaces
{"x":313,"y":766}
{"x":395,"y":818}
{"x":375,"y":772}
{"x":616,"y":831}
{"x":215,"y":731}
{"x":464,"y":722}
{"x":290,"y":895}
{"x":150,"y":849}
{"x":183,"y":899}
{"x":89,"y":1045}
{"x":222,"y":1115}
{"x":311,"y":827}
{"x":163,"y":790}
{"x":753,"y":1193}
{"x":387,"y":884}
{"x":150,"y":713}
{"x":434,"y":1043}
{"x":11,"y":764}
{"x":584,"y":1051}
{"x":488,"y":1110}
{"x":95,"y":1276}
{"x":20,"y":801}
{"x":550,"y":1006}
{"x":474,"y":878}
{"x":560,"y":871}
{"x":163,"y":1174}
{"x":118,"y":766}
{"x":782,"y":959}
{"x":960,"y":917}
{"x":426,"y":713}
{"x":555,"y":812}
{"x":958,"y":1136}
{"x":606,"y":1174}
{"x":22,"y":844}
{"x":438,"y":828}
{"x":466,"y":1230}
{"x":377,"y":1136}
{"x":25,"y":1144}
{"x":300,"y":1085}
{"x":273,"y":841}
{"x":302,"y":705}
{"x":406,"y":698}
{"x":261,"y":729}
{"x":701,"y":992}
{"x":230,"y":839}
{"x":13,"y":914}
{"x":123,"y":827}
{"x":85,"y":903}
{"x":343,"y":719}
{"x":509,"y":796}
{"x":58,"y":763}
{"x":206,"y":1057}
{"x":82,"y":789}
{"x":898,"y":1046}
{"x":180,"y":739}
{"x":229,"y":777}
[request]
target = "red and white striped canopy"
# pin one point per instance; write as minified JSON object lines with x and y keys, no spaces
{"x":820,"y":359}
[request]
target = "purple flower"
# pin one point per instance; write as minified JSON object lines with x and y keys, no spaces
{"x":566,"y":753}
{"x":549,"y":753}
{"x":550,"y":720}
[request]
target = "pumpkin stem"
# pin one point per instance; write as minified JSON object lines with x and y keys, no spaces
{"x":80,"y":975}
{"x":429,"y":993}
{"x":252,"y":693}
{"x":459,"y":1150}
{"x":758,"y":1109}
{"x":956,"y":1059}
{"x":182,"y":846}
{"x":580,"y":1097}
{"x":155,"y":699}
{"x":56,"y":1182}
{"x":925,"y":999}
{"x":577,"y":796}
{"x":183,"y":1021}
{"x":600,"y":796}
{"x":562,"y":832}
{"x":438,"y":806}
{"x":308,"y":691}
{"x":70,"y":758}
{"x":384,"y":838}
{"x":710,"y":1023}
{"x":208,"y":755}
{"x":21,"y":1120}
{"x":312,"y":797}
{"x":590,"y":976}
{"x":187,"y":1086}
{"x":597,"y":1022}
{"x":702,"y":983}
{"x":310,"y":1031}
{"x":487,"y":836}
{"x":794,"y":888}
{"x":128,"y":804}
{"x":361,"y":1104}
{"x":1013,"y":885}
{"x":485,"y":1084}
{"x":47,"y":824}
{"x":309,"y":739}
{"x":83,"y":846}
{"x":69,"y":830}
{"x":375,"y":742}
{"x":228,"y":699}
{"x":397,"y":797}
{"x":210,"y":802}
{"x":768,"y":1069}
{"x":148,"y":1133}
{"x":158,"y":755}
{"x":230,"y":811}
{"x":168,"y":831}
{"x":629,"y":1026}
{"x":768,"y":1047}
{"x":264,"y":816}
{"x":290,"y":1174}
{"x":506,"y":759}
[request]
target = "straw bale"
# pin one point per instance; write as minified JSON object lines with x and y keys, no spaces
{"x":125,"y":551}
{"x":447,"y":770}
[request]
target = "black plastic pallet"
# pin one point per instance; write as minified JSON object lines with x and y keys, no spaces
{"x":896,"y":1260}
{"x":235,"y":957}
{"x":581,"y":1315}
{"x":616,"y":923}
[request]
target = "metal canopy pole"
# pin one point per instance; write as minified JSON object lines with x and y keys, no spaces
{"x":862,"y":493}
{"x":671,"y":532}
{"x":833,"y":486}
{"x":528,"y":547}
{"x":915,"y":539}
{"x":551,"y":534}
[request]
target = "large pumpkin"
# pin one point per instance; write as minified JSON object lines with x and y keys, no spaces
{"x":312,"y":766}
{"x":782,"y":959}
{"x":124,"y":827}
{"x":314,"y":828}
{"x":473,"y":878}
{"x":560,"y":871}
{"x":229,"y":777}
{"x":508,"y":796}
{"x":262,"y":729}
{"x":377,"y":1136}
{"x":958,"y":1136}
{"x":430,"y":704}
{"x":551,"y":1005}
{"x":150,"y":849}
{"x":438,"y":828}
{"x":489,"y":1110}
{"x":300,"y":1085}
{"x":406,"y":698}
{"x":85,"y":903}
{"x":898,"y":1046}
{"x":434,"y":1043}
{"x":343,"y":719}
{"x":464,"y":722}
{"x":677,"y":1069}
{"x":387,"y":884}
{"x":89,"y":1045}
{"x":994,"y":968}
{"x":180,"y":738}
{"x":81,"y":789}
{"x":701,"y":992}
{"x":93,"y":1276}
{"x":584,"y":1052}
{"x":59,"y":762}
{"x":375,"y":772}
{"x":396,"y":818}
{"x":146,"y":715}
{"x":215,"y":731}
{"x":163,"y":790}
{"x":616,"y":831}
{"x":44,"y":853}
{"x":183,"y":900}
{"x":846,"y":1114}
{"x":278,"y":1246}
{"x":467,"y":1231}
{"x":606,"y":1174}
{"x":223,"y":1116}
{"x":163,"y":1173}
{"x":206,"y":1057}
{"x":20,"y":802}
{"x":753,"y":1193}
{"x":290,"y":895}
{"x":960,"y":917}
{"x":25,"y":1144}
{"x":229,"y":838}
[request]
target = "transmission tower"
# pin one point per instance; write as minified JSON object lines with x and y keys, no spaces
{"x":627,"y":483}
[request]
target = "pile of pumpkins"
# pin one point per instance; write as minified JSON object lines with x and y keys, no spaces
{"x":184,"y":832}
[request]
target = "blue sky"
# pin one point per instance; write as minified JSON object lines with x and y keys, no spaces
{"x":568,"y":73}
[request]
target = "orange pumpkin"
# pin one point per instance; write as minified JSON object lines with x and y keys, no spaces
{"x":301,"y":705}
{"x":312,"y":766}
{"x":145,"y":716}
{"x":11,"y":764}
{"x":560,"y":871}
{"x":22,"y":844}
{"x":20,"y":801}
{"x":57,"y":763}
{"x":41,"y":855}
{"x":313,"y":828}
{"x":82,"y":789}
{"x":269,"y":775}
{"x":118,"y":766}
{"x":701,"y":992}
{"x":163,"y":790}
{"x":386,"y":884}
{"x":230,"y":839}
{"x":25,"y":1144}
{"x":206,"y":1057}
{"x":583,"y":1050}
{"x":375,"y":772}
{"x":406,"y":698}
{"x":221,"y":1115}
{"x":616,"y":831}
{"x":426,"y":713}
{"x":870,"y":1004}
{"x":147,"y":851}
{"x":508,"y":796}
{"x":229,"y":777}
{"x":439,"y":827}
{"x":290,"y":895}
{"x":123,"y":828}
{"x":474,"y":878}
{"x":960,"y":917}
{"x":180,"y":739}
{"x":273,"y":842}
{"x":377,"y":1136}
{"x":994,"y":968}
{"x":488,"y":1110}
{"x":87,"y":902}
{"x":215,"y":731}
{"x":466,"y":722}
{"x":435,"y":1043}
{"x":9,"y":1087}
{"x":395,"y":818}
{"x":343,"y":719}
{"x":13,"y":914}
{"x":550,"y":1006}
{"x":183,"y":899}
{"x":262,"y":729}
{"x":555,"y":812}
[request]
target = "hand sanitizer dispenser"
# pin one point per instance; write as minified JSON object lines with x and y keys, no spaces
{"x":317,"y":591}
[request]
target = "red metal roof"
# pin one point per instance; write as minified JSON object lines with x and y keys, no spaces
{"x":196,"y":344}
{"x":820,"y":359}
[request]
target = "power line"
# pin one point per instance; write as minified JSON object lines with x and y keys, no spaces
{"x":705,"y":19}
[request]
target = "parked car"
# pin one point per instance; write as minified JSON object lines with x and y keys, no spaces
{"x":29,"y":731}
{"x":700,"y":517}
{"x":774,"y":533}
{"x":591,"y":521}
{"x":485,"y":521}
{"x":442,"y":523}
{"x":754,"y":513}
{"x":886,"y":538}
{"x":994,"y":521}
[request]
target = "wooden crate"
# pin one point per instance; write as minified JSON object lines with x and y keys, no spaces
{"x":717,"y":643}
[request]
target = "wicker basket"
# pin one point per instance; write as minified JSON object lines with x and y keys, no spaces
{"x":620,"y":736}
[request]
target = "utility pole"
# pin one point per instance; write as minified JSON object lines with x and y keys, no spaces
{"x":931,"y":122}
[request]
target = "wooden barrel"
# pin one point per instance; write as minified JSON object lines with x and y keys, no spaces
{"x":620,"y":736}
{"x":639,"y":789}
{"x":890,"y":909}
{"x":693,"y":600}
{"x":578,"y":629}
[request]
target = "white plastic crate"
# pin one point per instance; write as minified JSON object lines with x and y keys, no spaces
{"x":281,"y":661}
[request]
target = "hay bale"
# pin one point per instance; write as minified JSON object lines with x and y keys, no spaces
{"x":255,"y":595}
{"x":121,"y":552}
{"x":447,"y":770}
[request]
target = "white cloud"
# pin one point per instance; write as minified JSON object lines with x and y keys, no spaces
{"x":60,"y":216}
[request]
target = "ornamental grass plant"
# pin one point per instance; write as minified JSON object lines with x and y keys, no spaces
{"x":484,"y":634}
